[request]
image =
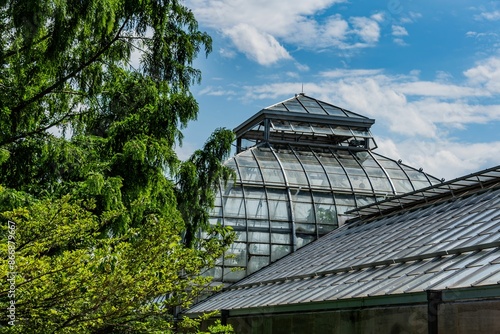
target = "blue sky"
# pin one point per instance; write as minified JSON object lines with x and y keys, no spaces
{"x":427,"y":71}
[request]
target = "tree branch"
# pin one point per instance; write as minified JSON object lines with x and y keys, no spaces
{"x":71,"y":74}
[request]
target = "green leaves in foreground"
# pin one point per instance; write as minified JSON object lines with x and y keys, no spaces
{"x":72,"y":281}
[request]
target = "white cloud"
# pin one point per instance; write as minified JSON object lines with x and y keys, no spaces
{"x":216,"y":91}
{"x":406,"y":105}
{"x":411,"y":17}
{"x":257,"y":45}
{"x":399,"y":31}
{"x":443,"y":90}
{"x":489,"y":16}
{"x":261,"y":29}
{"x":338,"y":73}
{"x":486,"y":74}
{"x":442,"y":158}
{"x":366,"y":28}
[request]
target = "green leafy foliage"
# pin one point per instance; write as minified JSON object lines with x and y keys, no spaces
{"x":94,"y":95}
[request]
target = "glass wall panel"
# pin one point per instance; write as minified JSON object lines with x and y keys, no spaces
{"x":228,"y":221}
{"x":364,"y":200}
{"x":303,"y":208}
{"x":259,"y":249}
{"x":344,"y":202}
{"x":281,"y":125}
{"x":250,"y":174}
{"x":339,"y":181}
{"x":319,"y":180}
{"x":234,"y":207}
{"x":257,"y":208}
{"x":296,"y":178}
{"x":272,"y":176}
{"x":416,"y":175}
{"x":266,"y":157}
{"x":257,"y":262}
{"x":305,"y":228}
{"x":303,"y":240}
{"x":215,"y":272}
{"x":281,"y":238}
{"x":361,"y":183}
{"x":278,"y":251}
{"x":233,"y":274}
{"x":259,"y":237}
{"x":236,"y":255}
{"x":342,"y":131}
{"x":289,"y":161}
{"x":310,"y":162}
{"x":278,"y":210}
{"x":261,"y":223}
{"x":325,"y":209}
{"x":280,"y":226}
{"x":302,"y":127}
{"x":324,"y":129}
{"x":396,"y":173}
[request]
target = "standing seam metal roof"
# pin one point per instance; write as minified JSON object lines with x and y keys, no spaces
{"x":447,"y":244}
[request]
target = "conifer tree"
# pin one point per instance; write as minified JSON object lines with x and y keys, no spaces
{"x":94,"y":95}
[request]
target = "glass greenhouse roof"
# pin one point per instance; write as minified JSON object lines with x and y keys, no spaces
{"x":308,"y":163}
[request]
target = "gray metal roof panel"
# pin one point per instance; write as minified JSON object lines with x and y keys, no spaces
{"x":412,"y":260}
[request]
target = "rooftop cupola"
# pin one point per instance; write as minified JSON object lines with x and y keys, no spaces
{"x":303,"y":120}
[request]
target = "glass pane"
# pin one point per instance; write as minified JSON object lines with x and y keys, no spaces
{"x":303,"y":240}
{"x":281,"y":125}
{"x":249,"y":174}
{"x":233,"y":274}
{"x":303,"y":208}
{"x":263,"y":223}
{"x":279,"y":238}
{"x":302,"y":127}
{"x":361,"y":183}
{"x":296,"y":178}
{"x":236,"y":255}
{"x":234,"y":207}
{"x":332,"y":110}
{"x":260,"y":237}
{"x":273,"y":176}
{"x":215,"y":272}
{"x":289,"y":161}
{"x":402,"y":186}
{"x":278,"y":251}
{"x":278,"y":210}
{"x":257,"y":262}
{"x":259,"y":249}
{"x":235,"y":222}
{"x":305,"y":228}
{"x":322,"y":129}
{"x":342,"y":131}
{"x":256,"y":208}
{"x":340,"y":181}
{"x":381,"y":185}
{"x":277,"y":194}
{"x":319,"y":179}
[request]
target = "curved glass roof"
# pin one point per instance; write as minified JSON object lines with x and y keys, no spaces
{"x":290,"y":191}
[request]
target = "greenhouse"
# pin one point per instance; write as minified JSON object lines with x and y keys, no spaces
{"x":423,"y":262}
{"x":300,"y":165}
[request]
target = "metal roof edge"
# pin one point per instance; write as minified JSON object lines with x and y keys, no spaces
{"x":448,"y":295}
{"x":444,"y":190}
